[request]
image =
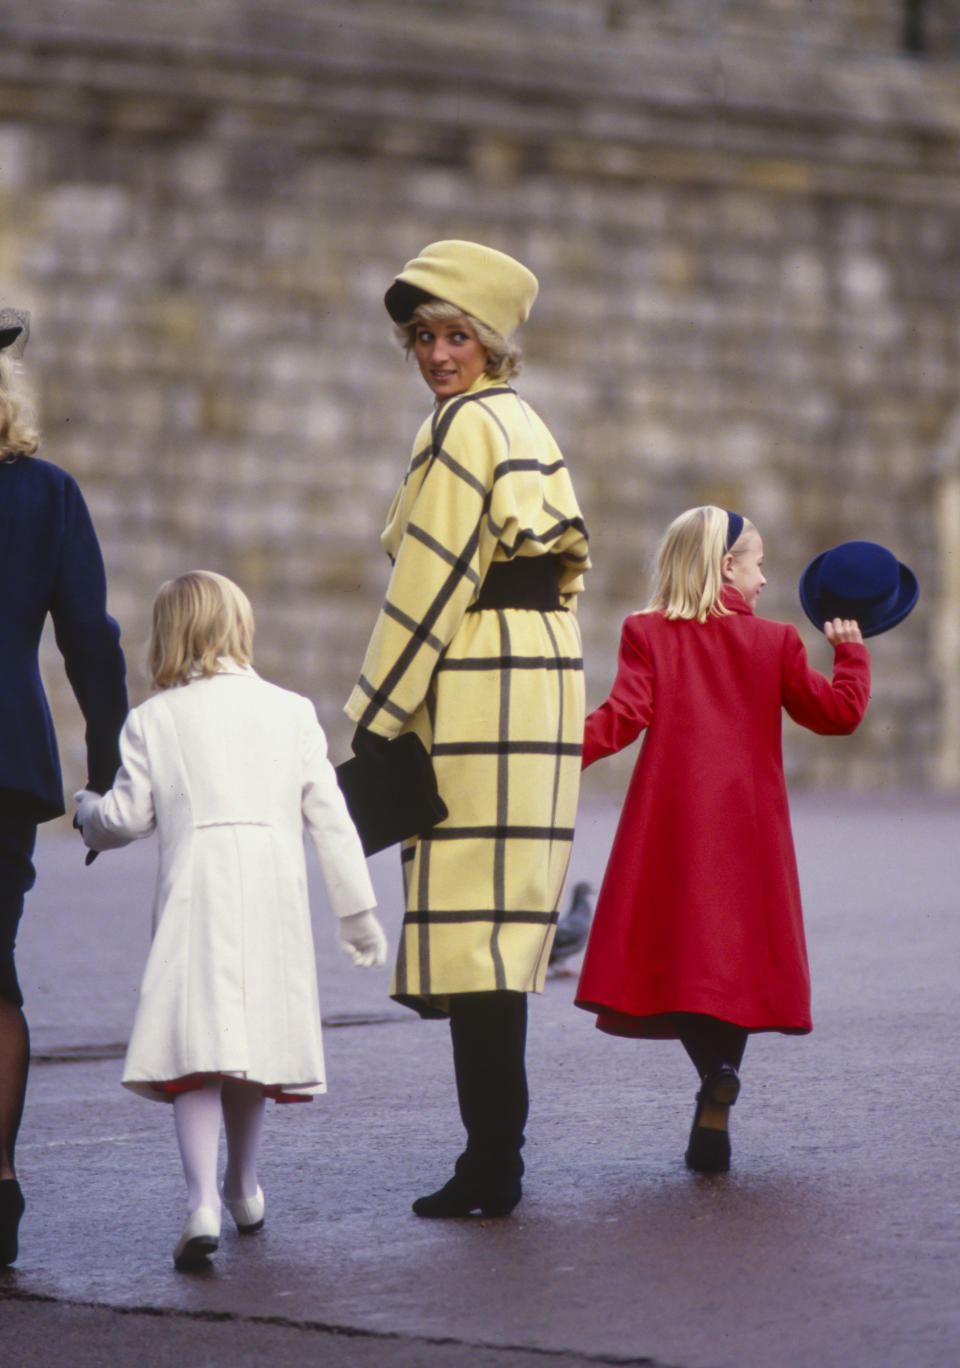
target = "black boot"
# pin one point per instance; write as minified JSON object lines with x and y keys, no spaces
{"x":488,"y":1032}
{"x":467,"y":1192}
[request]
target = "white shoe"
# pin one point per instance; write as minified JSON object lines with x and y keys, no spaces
{"x":248,"y":1212}
{"x":198,"y":1239}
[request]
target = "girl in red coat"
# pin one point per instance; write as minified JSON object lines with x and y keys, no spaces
{"x":698,"y":931}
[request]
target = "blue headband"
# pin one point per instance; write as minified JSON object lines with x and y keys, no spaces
{"x":734,"y":528}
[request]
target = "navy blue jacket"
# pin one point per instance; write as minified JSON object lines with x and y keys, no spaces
{"x":50,"y":562}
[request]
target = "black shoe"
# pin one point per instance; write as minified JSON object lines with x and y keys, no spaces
{"x":461,"y":1197}
{"x":708,"y":1149}
{"x":723,"y":1086}
{"x":11,"y":1209}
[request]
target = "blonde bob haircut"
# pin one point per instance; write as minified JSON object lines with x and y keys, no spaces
{"x":688,"y":581}
{"x":504,"y":358}
{"x":199,"y":619}
{"x":18,"y":432}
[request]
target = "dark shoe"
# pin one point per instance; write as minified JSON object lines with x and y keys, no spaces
{"x":723,"y":1086}
{"x":11,"y":1209}
{"x":461,"y":1197}
{"x":708,"y":1150}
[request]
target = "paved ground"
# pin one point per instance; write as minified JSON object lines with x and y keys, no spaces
{"x":833,"y":1241}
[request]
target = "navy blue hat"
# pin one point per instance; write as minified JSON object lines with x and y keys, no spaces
{"x":859,"y":580}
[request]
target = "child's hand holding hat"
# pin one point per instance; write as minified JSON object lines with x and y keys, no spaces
{"x":843,"y":631}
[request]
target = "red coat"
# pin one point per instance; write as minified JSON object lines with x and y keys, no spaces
{"x":700,"y":905}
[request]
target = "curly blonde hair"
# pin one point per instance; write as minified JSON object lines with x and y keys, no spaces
{"x":199,"y":619}
{"x":688,"y":581}
{"x":504,"y":358}
{"x":18,"y":430}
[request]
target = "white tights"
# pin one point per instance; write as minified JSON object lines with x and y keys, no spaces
{"x":197,"y":1119}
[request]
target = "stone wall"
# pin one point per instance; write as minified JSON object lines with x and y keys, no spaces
{"x":745,"y":219}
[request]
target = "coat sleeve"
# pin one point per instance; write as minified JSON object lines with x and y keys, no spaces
{"x":89,"y":639}
{"x":126,"y":812}
{"x":331,"y":828}
{"x":829,"y":707}
{"x":629,"y":707}
{"x":444,"y":553}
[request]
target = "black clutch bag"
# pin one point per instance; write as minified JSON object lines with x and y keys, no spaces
{"x":391,"y":792}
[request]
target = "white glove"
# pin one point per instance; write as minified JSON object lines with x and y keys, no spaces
{"x":361,"y":937}
{"x":86,"y":802}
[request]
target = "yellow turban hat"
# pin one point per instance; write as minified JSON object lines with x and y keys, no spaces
{"x":480,"y":280}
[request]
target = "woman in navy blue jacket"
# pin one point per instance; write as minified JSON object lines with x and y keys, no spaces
{"x":50,"y":562}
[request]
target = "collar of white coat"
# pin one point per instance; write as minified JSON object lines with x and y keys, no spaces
{"x":225,"y":665}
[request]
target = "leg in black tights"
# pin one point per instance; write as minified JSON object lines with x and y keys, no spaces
{"x":715,"y":1046}
{"x":488,"y":1032}
{"x":14,"y":1063}
{"x":709,"y":1041}
{"x":17,"y":837}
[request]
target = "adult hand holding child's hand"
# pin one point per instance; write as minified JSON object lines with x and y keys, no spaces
{"x":841,"y":631}
{"x":85,"y":801}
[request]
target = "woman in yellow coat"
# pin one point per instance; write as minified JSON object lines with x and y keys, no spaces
{"x":477,"y":650}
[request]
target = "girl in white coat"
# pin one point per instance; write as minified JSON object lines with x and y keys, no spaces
{"x":227,"y":769}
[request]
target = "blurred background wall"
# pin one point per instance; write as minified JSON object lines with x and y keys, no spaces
{"x":745,"y":217}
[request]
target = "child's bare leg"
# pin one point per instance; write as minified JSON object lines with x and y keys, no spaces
{"x":197,"y":1119}
{"x":243,"y":1109}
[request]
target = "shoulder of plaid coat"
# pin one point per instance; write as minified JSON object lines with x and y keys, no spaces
{"x":494,"y":443}
{"x":486,"y":481}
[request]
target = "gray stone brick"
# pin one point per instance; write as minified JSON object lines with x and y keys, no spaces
{"x":746,"y":231}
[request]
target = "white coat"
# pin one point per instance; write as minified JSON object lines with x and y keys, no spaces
{"x":228,"y":769}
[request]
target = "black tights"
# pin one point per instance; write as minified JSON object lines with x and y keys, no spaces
{"x":18,"y":833}
{"x":489,"y":1036}
{"x":709,"y":1041}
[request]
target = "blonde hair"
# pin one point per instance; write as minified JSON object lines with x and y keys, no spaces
{"x":18,"y":431}
{"x":198,"y":619}
{"x":689,"y":575}
{"x":504,"y":358}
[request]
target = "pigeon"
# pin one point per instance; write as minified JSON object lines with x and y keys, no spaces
{"x":572,"y":928}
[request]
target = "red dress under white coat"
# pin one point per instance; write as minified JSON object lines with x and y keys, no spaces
{"x":700,"y":905}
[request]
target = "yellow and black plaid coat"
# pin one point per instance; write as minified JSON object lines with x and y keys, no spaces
{"x":495,"y":694}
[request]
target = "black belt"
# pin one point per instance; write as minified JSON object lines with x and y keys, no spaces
{"x":525,"y":582}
